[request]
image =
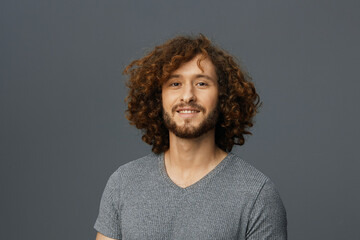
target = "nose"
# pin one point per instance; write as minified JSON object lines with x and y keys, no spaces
{"x":188,"y":94}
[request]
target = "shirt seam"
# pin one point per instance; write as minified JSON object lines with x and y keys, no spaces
{"x":253,"y":205}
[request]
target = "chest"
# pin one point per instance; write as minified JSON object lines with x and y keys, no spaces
{"x":165,"y":215}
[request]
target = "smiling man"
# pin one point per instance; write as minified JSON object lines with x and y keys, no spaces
{"x":193,"y":103}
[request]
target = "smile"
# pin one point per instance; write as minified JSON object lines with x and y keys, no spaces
{"x":188,"y":111}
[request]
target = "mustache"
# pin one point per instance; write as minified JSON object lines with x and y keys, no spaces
{"x":191,"y":105}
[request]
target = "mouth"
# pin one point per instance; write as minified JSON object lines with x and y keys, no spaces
{"x":187,"y":113}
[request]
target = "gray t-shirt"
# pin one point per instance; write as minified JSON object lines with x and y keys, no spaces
{"x":233,"y":201}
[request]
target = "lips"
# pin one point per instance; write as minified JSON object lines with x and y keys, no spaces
{"x":187,"y":110}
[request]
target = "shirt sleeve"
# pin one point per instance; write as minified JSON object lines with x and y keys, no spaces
{"x":268,"y":216}
{"x":108,"y":220}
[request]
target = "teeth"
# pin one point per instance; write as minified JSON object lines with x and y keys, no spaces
{"x":187,"y":111}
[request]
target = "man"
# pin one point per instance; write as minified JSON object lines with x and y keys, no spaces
{"x":193,"y":103}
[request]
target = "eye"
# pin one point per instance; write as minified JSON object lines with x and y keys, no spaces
{"x":175,"y":84}
{"x":202,"y":84}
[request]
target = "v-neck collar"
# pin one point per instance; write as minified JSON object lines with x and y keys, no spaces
{"x":197,"y":184}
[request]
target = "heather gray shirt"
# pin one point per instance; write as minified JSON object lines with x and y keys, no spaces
{"x":233,"y":201}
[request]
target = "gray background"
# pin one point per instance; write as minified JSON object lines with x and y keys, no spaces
{"x":63,"y":130}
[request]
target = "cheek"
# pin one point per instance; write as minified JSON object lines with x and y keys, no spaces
{"x":211,"y":99}
{"x":167,"y":99}
{"x":170,"y":95}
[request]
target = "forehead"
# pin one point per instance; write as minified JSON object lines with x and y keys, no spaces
{"x":197,"y":65}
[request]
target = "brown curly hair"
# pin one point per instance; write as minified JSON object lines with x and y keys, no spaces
{"x":238,"y":100}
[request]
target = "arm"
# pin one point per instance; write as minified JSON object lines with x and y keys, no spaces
{"x":268,"y":216}
{"x":99,"y":236}
{"x":108,"y":223}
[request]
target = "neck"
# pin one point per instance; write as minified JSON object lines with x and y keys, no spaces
{"x":188,"y":156}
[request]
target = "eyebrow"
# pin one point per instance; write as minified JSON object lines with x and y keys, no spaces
{"x":204,"y":76}
{"x":196,"y":76}
{"x":174,"y":76}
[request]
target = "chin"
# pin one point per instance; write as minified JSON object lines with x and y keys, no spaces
{"x":190,"y":128}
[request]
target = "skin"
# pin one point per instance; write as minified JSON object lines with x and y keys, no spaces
{"x":190,"y":159}
{"x":99,"y":236}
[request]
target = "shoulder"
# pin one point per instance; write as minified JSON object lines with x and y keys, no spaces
{"x":139,"y":164}
{"x":246,"y":179}
{"x":135,"y":169}
{"x":262,"y":192}
{"x":245,"y":173}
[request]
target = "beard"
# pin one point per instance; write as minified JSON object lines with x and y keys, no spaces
{"x":188,"y":130}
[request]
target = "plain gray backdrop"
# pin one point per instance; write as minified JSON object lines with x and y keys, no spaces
{"x":63,"y":130}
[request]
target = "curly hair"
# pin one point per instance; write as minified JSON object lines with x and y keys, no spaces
{"x":238,"y":99}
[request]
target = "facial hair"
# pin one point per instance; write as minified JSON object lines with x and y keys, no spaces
{"x":188,"y":130}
